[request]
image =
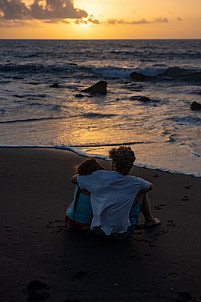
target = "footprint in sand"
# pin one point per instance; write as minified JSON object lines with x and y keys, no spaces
{"x":56,"y":225}
{"x":152,"y":245}
{"x":185,"y":198}
{"x":147,"y":255}
{"x":171,"y":224}
{"x":188,"y":187}
{"x":183,"y":296}
{"x":159,"y":207}
{"x":81,"y":275}
{"x":5,"y":175}
{"x":160,"y":233}
{"x":8,"y":228}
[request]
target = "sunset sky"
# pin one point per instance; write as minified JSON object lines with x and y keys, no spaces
{"x":100,"y":19}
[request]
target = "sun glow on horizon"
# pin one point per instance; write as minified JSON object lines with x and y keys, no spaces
{"x":87,"y":19}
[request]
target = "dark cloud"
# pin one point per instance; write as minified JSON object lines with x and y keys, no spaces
{"x":91,"y":20}
{"x":142,"y":21}
{"x":16,"y":12}
{"x":160,"y":20}
{"x":16,"y":23}
{"x":40,"y":10}
{"x":13,"y":10}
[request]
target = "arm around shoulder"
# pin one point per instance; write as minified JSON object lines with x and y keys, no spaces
{"x":74,"y":179}
{"x":150,"y":187}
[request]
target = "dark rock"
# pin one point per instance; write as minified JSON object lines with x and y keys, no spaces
{"x":98,"y":88}
{"x":134,"y":97}
{"x":37,"y":290}
{"x":195,"y":106}
{"x":144,"y":99}
{"x":138,"y":76}
{"x":55,"y":85}
{"x":79,"y":95}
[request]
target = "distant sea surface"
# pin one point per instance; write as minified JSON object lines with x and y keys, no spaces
{"x":164,"y":132}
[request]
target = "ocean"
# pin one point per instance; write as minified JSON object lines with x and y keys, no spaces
{"x":163,"y":131}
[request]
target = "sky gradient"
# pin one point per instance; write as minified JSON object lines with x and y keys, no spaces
{"x":95,"y":19}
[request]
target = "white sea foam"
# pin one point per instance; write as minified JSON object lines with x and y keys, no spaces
{"x":113,"y":72}
{"x":80,"y":152}
{"x":163,"y":131}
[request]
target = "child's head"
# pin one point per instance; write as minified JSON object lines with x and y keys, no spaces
{"x":88,"y":166}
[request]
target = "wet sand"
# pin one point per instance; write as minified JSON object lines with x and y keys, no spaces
{"x":157,"y":264}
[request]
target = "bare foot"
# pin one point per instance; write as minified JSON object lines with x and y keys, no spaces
{"x":152,"y":222}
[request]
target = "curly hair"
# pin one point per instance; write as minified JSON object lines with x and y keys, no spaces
{"x":123,"y":157}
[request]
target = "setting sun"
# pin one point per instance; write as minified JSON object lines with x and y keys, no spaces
{"x":102,"y":20}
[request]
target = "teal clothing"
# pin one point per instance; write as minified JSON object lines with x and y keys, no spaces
{"x":83,"y":213}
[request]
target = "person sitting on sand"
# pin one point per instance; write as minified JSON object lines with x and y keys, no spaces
{"x":79,"y":212}
{"x":116,"y":197}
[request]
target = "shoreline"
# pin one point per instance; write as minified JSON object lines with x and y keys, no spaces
{"x":159,"y":264}
{"x":99,"y":157}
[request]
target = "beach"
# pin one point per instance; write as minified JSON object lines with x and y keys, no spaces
{"x":45,"y":101}
{"x":157,"y":264}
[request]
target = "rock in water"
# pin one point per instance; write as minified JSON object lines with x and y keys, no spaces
{"x":78,"y":95}
{"x":138,"y":76}
{"x":55,"y":85}
{"x":98,"y":88}
{"x":144,"y":99}
{"x":195,"y":106}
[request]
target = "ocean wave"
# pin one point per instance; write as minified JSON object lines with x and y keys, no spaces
{"x":80,"y":152}
{"x":147,"y":51}
{"x":32,"y":55}
{"x":195,"y":91}
{"x":156,"y":73}
{"x":32,"y":120}
{"x":37,"y":68}
{"x":2,"y":111}
{"x":120,"y":72}
{"x":188,"y":75}
{"x":196,"y":150}
{"x":21,"y":67}
{"x":151,"y":71}
{"x":30,"y":96}
{"x":185,"y":120}
{"x":107,"y":71}
{"x":49,"y":106}
{"x":97,"y":115}
{"x":113,"y":72}
{"x":109,"y":145}
{"x":127,"y":53}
